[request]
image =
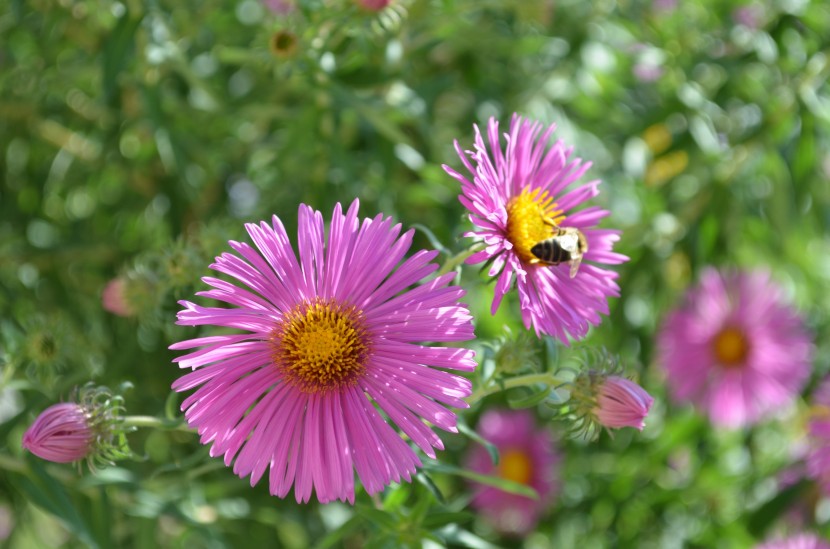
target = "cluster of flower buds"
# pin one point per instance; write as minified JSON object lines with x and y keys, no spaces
{"x":89,"y":427}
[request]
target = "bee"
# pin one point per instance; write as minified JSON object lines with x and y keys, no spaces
{"x":567,"y":244}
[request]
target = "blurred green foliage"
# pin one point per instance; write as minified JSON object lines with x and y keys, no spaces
{"x":138,"y":136}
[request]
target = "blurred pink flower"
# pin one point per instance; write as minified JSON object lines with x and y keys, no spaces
{"x":281,"y":7}
{"x":622,"y":403}
{"x":818,"y":431}
{"x":329,"y":349}
{"x":798,"y":541}
{"x":527,"y":456}
{"x":61,"y":433}
{"x":647,"y":72}
{"x":373,"y":5}
{"x":114,"y":298}
{"x":749,"y":15}
{"x":735,"y":348}
{"x":514,"y":198}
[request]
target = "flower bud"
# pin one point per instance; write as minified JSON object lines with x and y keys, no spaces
{"x":601,"y":398}
{"x":91,"y":428}
{"x":373,"y":5}
{"x":61,"y":434}
{"x":622,"y":403}
{"x":114,"y":298}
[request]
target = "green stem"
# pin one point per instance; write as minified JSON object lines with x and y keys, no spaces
{"x":458,"y":259}
{"x":156,"y":423}
{"x":511,"y":383}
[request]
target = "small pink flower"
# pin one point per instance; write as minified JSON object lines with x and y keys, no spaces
{"x":61,"y":433}
{"x":526,"y":455}
{"x":797,"y":541}
{"x":521,"y":190}
{"x":281,"y":7}
{"x":114,"y":298}
{"x":622,"y":403}
{"x":373,"y":5}
{"x":735,"y":348}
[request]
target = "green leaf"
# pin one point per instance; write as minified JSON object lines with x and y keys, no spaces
{"x":116,"y":51}
{"x":48,"y":493}
{"x":430,"y":485}
{"x":497,"y":482}
{"x":465,"y":430}
{"x":347,"y":528}
{"x":766,"y":515}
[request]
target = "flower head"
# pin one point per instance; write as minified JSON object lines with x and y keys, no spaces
{"x":797,"y":541}
{"x":61,"y":433}
{"x":527,"y":456}
{"x":373,"y":5}
{"x":522,"y":204}
{"x":90,"y":428}
{"x":328,"y":342}
{"x":622,"y":403}
{"x":114,"y":298}
{"x":735,"y":348}
{"x":818,"y":426}
{"x":601,"y":398}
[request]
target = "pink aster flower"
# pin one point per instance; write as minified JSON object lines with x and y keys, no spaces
{"x":735,"y":348}
{"x":523,"y":196}
{"x":818,"y":453}
{"x":622,"y":403}
{"x":329,"y":343}
{"x":61,"y":433}
{"x":797,"y":541}
{"x":373,"y":5}
{"x":114,"y":298}
{"x":527,"y":456}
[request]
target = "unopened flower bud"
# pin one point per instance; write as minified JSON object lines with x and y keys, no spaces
{"x":91,"y":428}
{"x":622,"y":403}
{"x":601,"y":398}
{"x":114,"y":298}
{"x":60,"y":434}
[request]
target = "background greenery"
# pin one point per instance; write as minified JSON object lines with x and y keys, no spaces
{"x":138,"y":136}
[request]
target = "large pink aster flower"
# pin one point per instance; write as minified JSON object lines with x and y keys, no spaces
{"x":519,"y":197}
{"x":329,"y":342}
{"x":734,"y":348}
{"x":818,"y":453}
{"x":527,"y":456}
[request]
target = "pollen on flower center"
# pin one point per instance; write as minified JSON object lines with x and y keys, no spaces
{"x":515,"y":465}
{"x":529,"y":217}
{"x":321,"y":346}
{"x":731,"y":347}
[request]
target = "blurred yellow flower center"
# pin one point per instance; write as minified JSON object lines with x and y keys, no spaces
{"x":321,"y":346}
{"x":731,"y":347}
{"x":529,"y":221}
{"x":515,"y":465}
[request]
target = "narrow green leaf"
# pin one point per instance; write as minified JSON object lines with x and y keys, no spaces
{"x":497,"y":482}
{"x":465,"y":430}
{"x":345,"y":529}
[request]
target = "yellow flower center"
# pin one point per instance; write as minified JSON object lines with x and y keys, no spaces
{"x":530,"y":220}
{"x":515,"y":465}
{"x":321,"y":346}
{"x":731,"y":347}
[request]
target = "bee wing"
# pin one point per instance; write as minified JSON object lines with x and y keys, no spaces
{"x":575,"y":262}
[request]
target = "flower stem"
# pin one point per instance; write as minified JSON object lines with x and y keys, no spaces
{"x":157,"y":423}
{"x":459,"y":258}
{"x":511,"y":383}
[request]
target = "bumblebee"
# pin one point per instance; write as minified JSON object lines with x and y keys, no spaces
{"x":567,"y":244}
